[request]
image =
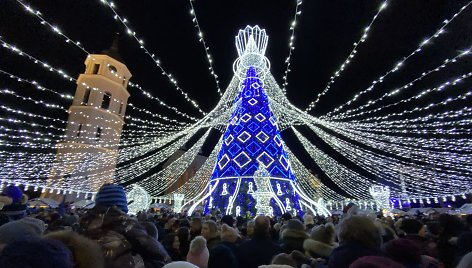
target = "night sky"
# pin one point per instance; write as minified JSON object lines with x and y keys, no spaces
{"x":324,"y":37}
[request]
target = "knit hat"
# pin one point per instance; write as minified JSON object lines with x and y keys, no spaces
{"x":294,"y":224}
{"x":323,"y":233}
{"x":13,"y":192}
{"x":24,"y":229}
{"x":112,"y":195}
{"x":308,"y":219}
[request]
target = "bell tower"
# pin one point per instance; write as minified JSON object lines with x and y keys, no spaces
{"x":86,"y":158}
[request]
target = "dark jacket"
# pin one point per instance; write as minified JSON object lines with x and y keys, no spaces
{"x":213,"y":242}
{"x":257,"y":251}
{"x":123,"y":240}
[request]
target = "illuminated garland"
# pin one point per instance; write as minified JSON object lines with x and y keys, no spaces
{"x":348,"y":59}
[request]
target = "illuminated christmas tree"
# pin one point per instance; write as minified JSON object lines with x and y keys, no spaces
{"x":252,"y":142}
{"x":252,"y":174}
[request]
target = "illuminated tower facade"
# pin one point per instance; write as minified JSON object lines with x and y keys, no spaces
{"x":87,"y":156}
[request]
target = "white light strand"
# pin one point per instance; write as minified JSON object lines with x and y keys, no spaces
{"x":348,"y":59}
{"x":402,"y":61}
{"x":60,"y":72}
{"x":348,"y":113}
{"x":156,"y":61}
{"x":348,"y":180}
{"x":68,"y":40}
{"x":291,"y":41}
{"x":198,"y":182}
{"x":309,"y":182}
{"x":170,"y":174}
{"x":418,"y":149}
{"x":207,"y":49}
{"x":422,"y":180}
{"x":139,"y":167}
{"x":55,"y":29}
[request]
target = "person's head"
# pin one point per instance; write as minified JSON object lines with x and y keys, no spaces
{"x":36,"y":253}
{"x":19,"y":230}
{"x":13,"y":192}
{"x":112,"y":195}
{"x":228,"y":219}
{"x":198,"y":252}
{"x":286,"y":217}
{"x":184,"y":235}
{"x":171,"y":242}
{"x":209,"y":229}
{"x":222,"y":256}
{"x":375,"y":262}
{"x":308,"y":220}
{"x":411,"y":226}
{"x":196,"y":226}
{"x":261,"y":226}
{"x":228,"y":234}
{"x":284,"y":259}
{"x":404,"y":251}
{"x":450,"y":225}
{"x":323,"y":233}
{"x":361,"y":230}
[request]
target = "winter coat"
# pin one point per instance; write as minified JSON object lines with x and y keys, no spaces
{"x":125,"y":243}
{"x":292,"y":240}
{"x":257,"y":251}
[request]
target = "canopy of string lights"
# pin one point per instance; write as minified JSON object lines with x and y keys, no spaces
{"x":368,"y":96}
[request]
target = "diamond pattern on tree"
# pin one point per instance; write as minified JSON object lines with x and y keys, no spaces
{"x":271,"y":149}
{"x":268,"y":128}
{"x":245,"y":118}
{"x":237,"y":128}
{"x":244,"y":136}
{"x":277,"y":140}
{"x":234,"y":149}
{"x":223,"y":161}
{"x":253,"y":127}
{"x":253,"y":148}
{"x":260,"y":117}
{"x":242,"y":159}
{"x":229,"y":139}
{"x":255,"y":85}
{"x":252,"y":101}
{"x":265,"y":159}
{"x":284,"y":162}
{"x":262,"y":137}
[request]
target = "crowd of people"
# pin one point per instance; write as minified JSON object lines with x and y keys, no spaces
{"x":107,"y":236}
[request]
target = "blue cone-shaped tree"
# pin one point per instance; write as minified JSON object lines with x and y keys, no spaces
{"x":252,"y":174}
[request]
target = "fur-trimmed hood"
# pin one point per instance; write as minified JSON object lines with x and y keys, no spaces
{"x":318,"y":249}
{"x":87,"y":253}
